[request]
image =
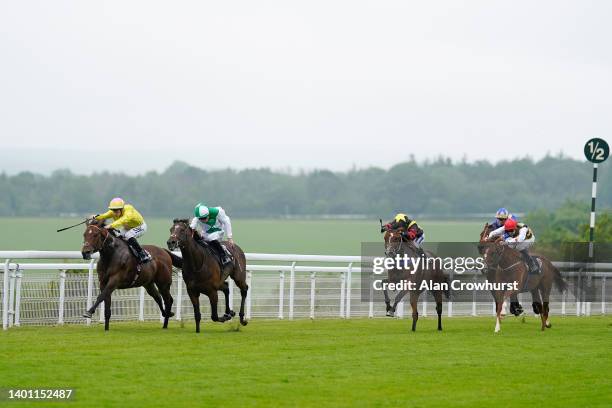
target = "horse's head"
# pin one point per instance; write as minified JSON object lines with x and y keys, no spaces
{"x":492,"y":251}
{"x":483,"y":238}
{"x":394,"y":240}
{"x":94,"y":238}
{"x":179,"y":233}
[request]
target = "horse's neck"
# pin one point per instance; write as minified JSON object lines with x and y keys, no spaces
{"x":194,"y":253}
{"x":509,"y":257}
{"x":111,"y":248}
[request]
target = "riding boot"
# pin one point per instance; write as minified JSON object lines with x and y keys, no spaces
{"x":143,"y":257}
{"x":529,"y":260}
{"x":223,"y":256}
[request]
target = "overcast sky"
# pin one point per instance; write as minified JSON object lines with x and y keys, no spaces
{"x":133,"y":86}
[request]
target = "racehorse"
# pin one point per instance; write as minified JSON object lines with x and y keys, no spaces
{"x":507,"y":265}
{"x":396,"y":243}
{"x":202,"y":272}
{"x":118,"y":268}
{"x":515,"y":307}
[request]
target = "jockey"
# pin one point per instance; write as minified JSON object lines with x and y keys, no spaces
{"x":500,"y":218}
{"x":519,"y":236}
{"x":214,"y":224}
{"x":129,"y":222}
{"x":411,"y":229}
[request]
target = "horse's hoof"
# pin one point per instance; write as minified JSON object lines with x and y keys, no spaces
{"x":548,"y":325}
{"x":232,"y":313}
{"x":170,"y":314}
{"x":87,"y":315}
{"x":389,"y":314}
{"x":244,"y":322}
{"x":228,"y":316}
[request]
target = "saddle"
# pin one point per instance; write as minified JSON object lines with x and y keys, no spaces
{"x":219,"y":256}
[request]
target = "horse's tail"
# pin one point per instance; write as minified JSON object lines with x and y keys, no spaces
{"x":177,"y":261}
{"x":559,"y":281}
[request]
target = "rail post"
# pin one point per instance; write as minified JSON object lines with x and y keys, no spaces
{"x":248,"y":299}
{"x":371,"y":299}
{"x":342,"y":293}
{"x":5,"y":289}
{"x":18,"y":295}
{"x":11,"y":306}
{"x":141,"y":304}
{"x":291,"y":290}
{"x":89,"y":288}
{"x":179,"y":295}
{"x":603,"y":295}
{"x":230,"y":285}
{"x":281,"y":293}
{"x":449,"y":305}
{"x":349,"y":279}
{"x":62,"y":296}
{"x":312,"y":294}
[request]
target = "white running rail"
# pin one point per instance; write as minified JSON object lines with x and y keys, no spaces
{"x":35,"y":292}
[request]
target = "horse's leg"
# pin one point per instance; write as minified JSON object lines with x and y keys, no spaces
{"x":438,"y":298}
{"x":229,"y":313}
{"x":499,"y":304}
{"x":400,"y":295}
{"x":194,"y":296}
{"x":387,"y":299}
{"x":107,"y":311}
{"x":214,"y":299}
{"x":244,"y":290}
{"x":154,"y":293}
{"x":164,"y":290}
{"x":414,"y":298}
{"x":545,"y":288}
{"x":105,"y":291}
{"x":536,"y":301}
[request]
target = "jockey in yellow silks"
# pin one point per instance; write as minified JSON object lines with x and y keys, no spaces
{"x":130,"y":224}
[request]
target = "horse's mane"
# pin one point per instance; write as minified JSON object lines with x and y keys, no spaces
{"x":181,"y":221}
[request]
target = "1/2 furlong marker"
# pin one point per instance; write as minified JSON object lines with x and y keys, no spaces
{"x":596,"y":151}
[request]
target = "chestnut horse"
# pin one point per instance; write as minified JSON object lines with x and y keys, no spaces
{"x":202,"y":272}
{"x":118,"y":269}
{"x":515,"y":307}
{"x":397,"y":244}
{"x":506,"y":265}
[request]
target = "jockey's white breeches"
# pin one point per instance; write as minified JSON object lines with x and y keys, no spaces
{"x":523,"y":245}
{"x":215,"y":236}
{"x":135,"y":232}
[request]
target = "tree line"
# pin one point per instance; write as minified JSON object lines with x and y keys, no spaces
{"x":438,"y":187}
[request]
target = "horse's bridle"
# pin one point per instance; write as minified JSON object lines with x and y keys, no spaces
{"x":181,"y":243}
{"x":397,"y":248}
{"x":499,"y":257}
{"x":103,"y":231}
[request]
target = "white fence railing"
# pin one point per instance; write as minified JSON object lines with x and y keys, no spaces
{"x":35,"y":292}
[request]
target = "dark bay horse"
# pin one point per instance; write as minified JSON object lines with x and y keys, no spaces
{"x":397,"y":244}
{"x":508,"y":266}
{"x":202,"y":272}
{"x":117,"y":269}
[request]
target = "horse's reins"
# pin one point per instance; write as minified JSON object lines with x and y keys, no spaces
{"x":102,"y":231}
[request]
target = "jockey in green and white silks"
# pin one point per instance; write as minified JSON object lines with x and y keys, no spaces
{"x":212,"y":224}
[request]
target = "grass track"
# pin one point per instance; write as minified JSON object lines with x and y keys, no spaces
{"x":356,"y":362}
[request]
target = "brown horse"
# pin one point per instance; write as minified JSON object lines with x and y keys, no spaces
{"x":508,"y":266}
{"x":117,"y":269}
{"x":396,"y":243}
{"x":202,"y":272}
{"x":515,"y":307}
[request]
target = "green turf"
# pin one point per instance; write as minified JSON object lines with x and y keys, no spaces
{"x":334,"y":363}
{"x":334,"y":237}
